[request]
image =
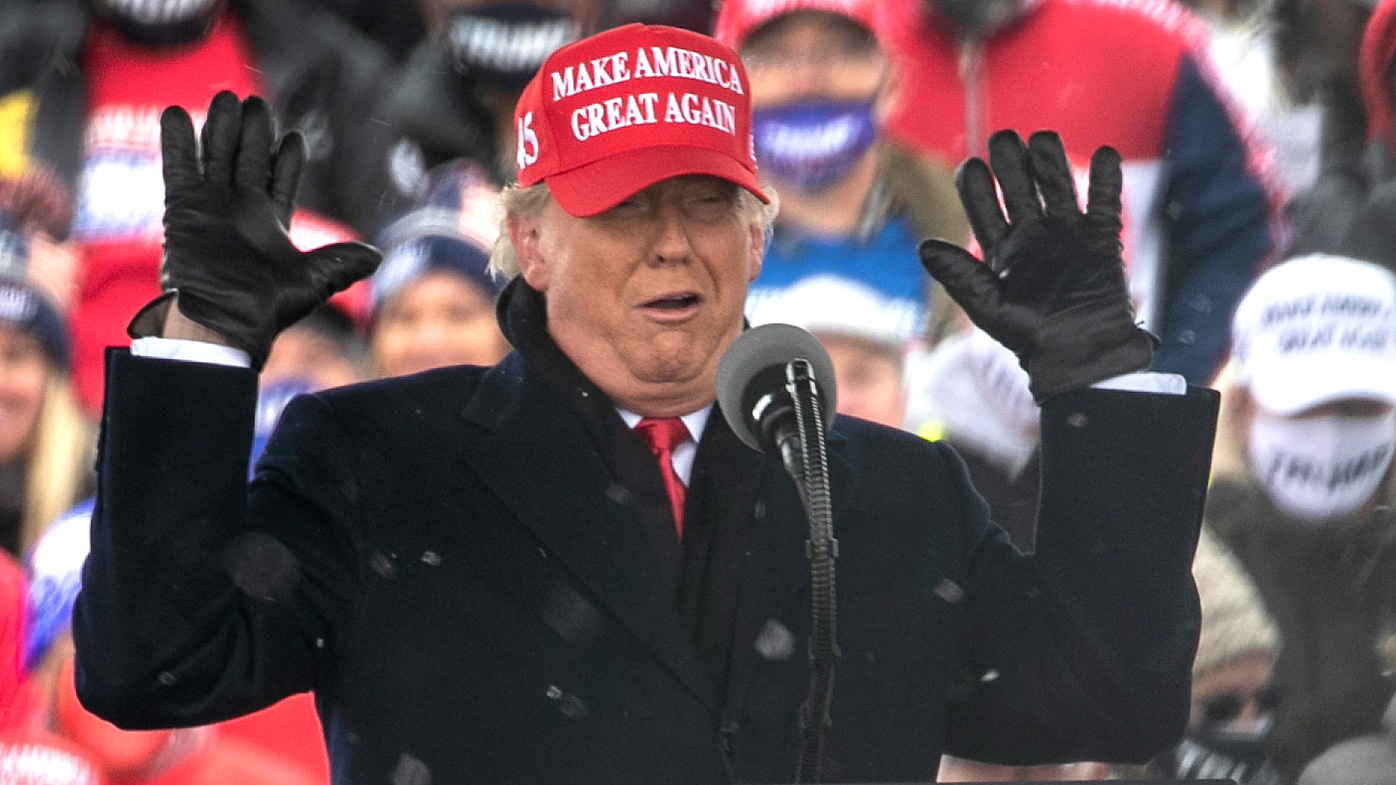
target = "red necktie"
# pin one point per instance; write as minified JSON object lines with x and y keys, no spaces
{"x":663,"y":434}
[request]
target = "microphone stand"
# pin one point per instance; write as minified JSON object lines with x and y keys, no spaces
{"x":802,"y":451}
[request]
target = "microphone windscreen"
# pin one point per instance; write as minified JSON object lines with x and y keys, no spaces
{"x":750,"y":360}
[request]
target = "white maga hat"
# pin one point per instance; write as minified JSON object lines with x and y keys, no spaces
{"x":834,"y":305}
{"x":1315,"y":330}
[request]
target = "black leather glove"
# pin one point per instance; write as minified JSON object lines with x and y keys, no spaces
{"x":228,"y":261}
{"x":1052,"y":288}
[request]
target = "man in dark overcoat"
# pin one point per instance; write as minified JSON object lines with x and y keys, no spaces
{"x":567,"y":567}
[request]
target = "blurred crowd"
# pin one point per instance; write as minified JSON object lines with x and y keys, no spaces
{"x":1259,"y":148}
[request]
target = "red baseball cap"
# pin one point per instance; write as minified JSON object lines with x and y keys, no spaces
{"x":737,"y":18}
{"x":617,"y":112}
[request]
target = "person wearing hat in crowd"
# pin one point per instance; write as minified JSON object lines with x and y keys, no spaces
{"x":1237,"y":645}
{"x":852,"y":205}
{"x":862,"y":332}
{"x":486,"y":574}
{"x":453,"y":99}
{"x":431,"y":302}
{"x":34,"y":205}
{"x":1202,"y":214}
{"x":1303,"y":490}
{"x":1232,"y":694}
{"x":45,"y":441}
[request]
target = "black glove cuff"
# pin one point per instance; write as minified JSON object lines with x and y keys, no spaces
{"x":149,"y":321}
{"x":1087,"y":344}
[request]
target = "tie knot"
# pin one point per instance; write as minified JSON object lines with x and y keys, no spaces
{"x":662,"y":434}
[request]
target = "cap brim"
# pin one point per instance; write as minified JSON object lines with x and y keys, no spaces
{"x":1293,"y":386}
{"x":593,"y":188}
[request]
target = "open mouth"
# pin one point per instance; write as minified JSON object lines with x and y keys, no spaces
{"x":673,"y":302}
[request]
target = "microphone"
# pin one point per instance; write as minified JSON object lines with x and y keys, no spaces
{"x":775,"y":385}
{"x":751,"y":383}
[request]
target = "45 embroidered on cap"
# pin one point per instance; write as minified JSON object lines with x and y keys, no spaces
{"x":615,"y":113}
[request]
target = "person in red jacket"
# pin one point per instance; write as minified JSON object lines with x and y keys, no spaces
{"x":1200,"y":211}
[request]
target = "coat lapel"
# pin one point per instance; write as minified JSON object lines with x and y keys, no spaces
{"x":545,"y":466}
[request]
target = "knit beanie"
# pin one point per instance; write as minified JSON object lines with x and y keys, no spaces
{"x":1234,"y":620}
{"x":429,"y":242}
{"x":22,"y":307}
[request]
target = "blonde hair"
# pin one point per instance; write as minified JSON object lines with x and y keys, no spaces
{"x":60,"y":459}
{"x":528,"y":201}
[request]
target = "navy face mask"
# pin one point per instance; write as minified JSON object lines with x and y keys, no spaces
{"x":502,"y":46}
{"x":160,"y":22}
{"x":811,"y":145}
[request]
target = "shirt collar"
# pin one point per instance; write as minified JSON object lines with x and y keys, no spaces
{"x":694,"y":421}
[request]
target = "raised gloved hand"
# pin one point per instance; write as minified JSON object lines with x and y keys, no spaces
{"x":228,"y":261}
{"x":1052,"y":287}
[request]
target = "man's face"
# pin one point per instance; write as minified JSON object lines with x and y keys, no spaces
{"x":812,"y":55}
{"x":645,"y":297}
